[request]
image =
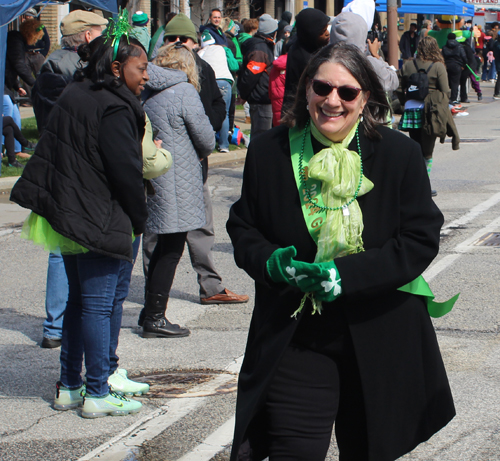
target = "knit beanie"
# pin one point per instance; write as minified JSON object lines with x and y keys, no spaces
{"x":181,"y":25}
{"x":267,"y":25}
{"x":207,"y":39}
{"x":140,"y":18}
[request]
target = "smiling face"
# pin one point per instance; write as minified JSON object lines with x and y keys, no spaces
{"x":334,"y":117}
{"x":216,"y":18}
{"x":133,"y":72}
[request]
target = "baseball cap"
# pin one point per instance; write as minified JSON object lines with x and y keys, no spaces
{"x":79,"y":20}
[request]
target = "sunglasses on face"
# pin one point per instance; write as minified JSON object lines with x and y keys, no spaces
{"x":346,"y":93}
{"x":176,"y":38}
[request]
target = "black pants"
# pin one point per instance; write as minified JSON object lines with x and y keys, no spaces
{"x":426,"y":142}
{"x":11,"y":132}
{"x":310,"y":391}
{"x":454,"y":73}
{"x":164,"y":261}
{"x":232,"y":111}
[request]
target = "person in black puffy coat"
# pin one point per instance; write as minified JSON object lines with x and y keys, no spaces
{"x":85,"y":189}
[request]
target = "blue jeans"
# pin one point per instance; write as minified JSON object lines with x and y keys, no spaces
{"x":56,"y":297}
{"x":225,"y":89}
{"x":98,"y":285}
{"x":12,"y":110}
{"x":489,"y":74}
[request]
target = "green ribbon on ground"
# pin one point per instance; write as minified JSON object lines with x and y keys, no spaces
{"x":420,"y":287}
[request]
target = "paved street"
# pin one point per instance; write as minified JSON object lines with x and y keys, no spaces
{"x":187,"y":415}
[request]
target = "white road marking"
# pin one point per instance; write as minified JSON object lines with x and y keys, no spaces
{"x":127,"y":444}
{"x":213,"y":444}
{"x":472,"y":214}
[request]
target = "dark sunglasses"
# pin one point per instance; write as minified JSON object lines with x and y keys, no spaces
{"x":345,"y":92}
{"x":176,"y":38}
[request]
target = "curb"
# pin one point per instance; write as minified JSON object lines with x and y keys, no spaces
{"x":6,"y":184}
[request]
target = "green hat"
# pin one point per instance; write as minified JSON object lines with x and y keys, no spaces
{"x":462,"y":35}
{"x":140,"y":18}
{"x":181,"y":25}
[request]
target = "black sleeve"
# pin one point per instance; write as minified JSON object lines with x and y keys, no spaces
{"x":212,"y":100}
{"x":16,"y":55}
{"x":122,"y":158}
{"x":251,"y":248}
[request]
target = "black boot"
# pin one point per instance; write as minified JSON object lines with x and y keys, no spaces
{"x":155,"y":323}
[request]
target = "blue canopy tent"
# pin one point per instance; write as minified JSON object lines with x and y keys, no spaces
{"x":454,"y":7}
{"x":11,"y":9}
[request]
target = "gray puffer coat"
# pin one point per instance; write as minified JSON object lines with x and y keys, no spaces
{"x":175,"y":110}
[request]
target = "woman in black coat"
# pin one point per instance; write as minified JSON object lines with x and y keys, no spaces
{"x":370,"y":362}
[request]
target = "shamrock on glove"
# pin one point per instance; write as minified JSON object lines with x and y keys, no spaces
{"x":322,"y":279}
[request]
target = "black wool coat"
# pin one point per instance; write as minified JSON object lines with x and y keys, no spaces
{"x":85,"y":177}
{"x":405,"y":388}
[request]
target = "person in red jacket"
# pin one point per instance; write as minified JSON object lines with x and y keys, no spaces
{"x":277,"y":79}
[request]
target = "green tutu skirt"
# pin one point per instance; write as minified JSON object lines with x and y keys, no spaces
{"x":40,"y":232}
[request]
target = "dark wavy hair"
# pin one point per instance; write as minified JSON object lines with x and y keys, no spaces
{"x":99,"y":56}
{"x":376,"y":109}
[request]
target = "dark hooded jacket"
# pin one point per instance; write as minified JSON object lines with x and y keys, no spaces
{"x":258,"y":57}
{"x":286,"y":20}
{"x":309,"y":24}
{"x":454,"y":54}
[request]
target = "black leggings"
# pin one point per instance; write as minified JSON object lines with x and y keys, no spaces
{"x":11,"y":132}
{"x":426,"y":142}
{"x":164,"y":260}
{"x":311,"y":391}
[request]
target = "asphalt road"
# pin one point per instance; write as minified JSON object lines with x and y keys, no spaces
{"x":188,"y":413}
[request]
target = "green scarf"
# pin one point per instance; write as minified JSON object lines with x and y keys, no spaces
{"x":332,"y":177}
{"x":339,"y":170}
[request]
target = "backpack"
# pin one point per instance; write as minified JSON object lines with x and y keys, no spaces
{"x":418,"y":84}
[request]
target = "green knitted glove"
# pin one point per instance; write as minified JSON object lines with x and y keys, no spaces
{"x":322,"y":279}
{"x":280,"y":267}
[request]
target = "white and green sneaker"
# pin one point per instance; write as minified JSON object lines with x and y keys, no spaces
{"x":112,"y":404}
{"x":120,"y":383}
{"x":68,"y":399}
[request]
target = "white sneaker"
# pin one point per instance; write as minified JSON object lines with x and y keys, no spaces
{"x":109,"y":405}
{"x":120,"y":383}
{"x":223,"y":150}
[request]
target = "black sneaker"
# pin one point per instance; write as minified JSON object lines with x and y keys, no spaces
{"x":479,"y":96}
{"x":16,"y":164}
{"x":48,"y":343}
{"x":31,"y":146}
{"x":433,"y":193}
{"x":496,"y":96}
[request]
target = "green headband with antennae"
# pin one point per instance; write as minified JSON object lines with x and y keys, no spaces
{"x":117,"y":28}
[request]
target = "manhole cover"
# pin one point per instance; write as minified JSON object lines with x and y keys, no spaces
{"x":473,"y":140}
{"x":491,"y":239}
{"x":196,"y":383}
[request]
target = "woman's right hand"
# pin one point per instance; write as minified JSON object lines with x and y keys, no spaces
{"x":157,"y":143}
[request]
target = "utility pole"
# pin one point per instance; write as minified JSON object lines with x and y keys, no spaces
{"x":392,"y":31}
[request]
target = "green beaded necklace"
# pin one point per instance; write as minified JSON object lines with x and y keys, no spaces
{"x":344,"y":208}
